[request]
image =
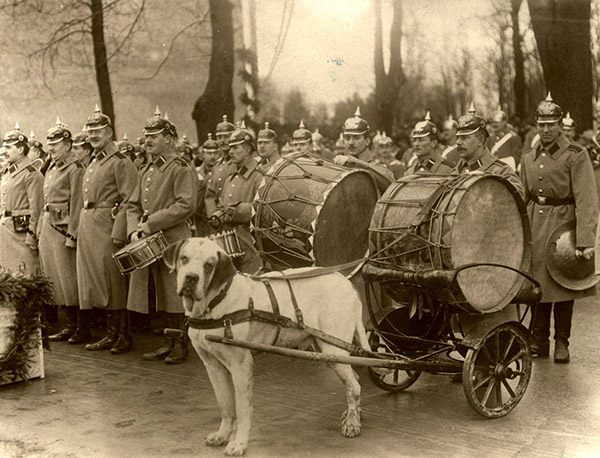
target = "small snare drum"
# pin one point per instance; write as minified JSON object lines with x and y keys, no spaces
{"x":141,"y":253}
{"x":228,"y":241}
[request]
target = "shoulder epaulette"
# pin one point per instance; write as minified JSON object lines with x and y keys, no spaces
{"x":120,"y":155}
{"x":79,"y":165}
{"x":577,"y":147}
{"x":181,"y":161}
{"x":30,"y":168}
{"x":448,"y":163}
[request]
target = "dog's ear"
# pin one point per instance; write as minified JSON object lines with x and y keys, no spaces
{"x":171,"y":253}
{"x":224,"y":272}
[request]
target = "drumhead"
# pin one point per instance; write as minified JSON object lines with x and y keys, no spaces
{"x":342,"y":226}
{"x":488,"y":228}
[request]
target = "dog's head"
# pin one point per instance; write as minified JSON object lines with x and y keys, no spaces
{"x":203,"y":271}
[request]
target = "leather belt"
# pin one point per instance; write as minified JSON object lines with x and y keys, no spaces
{"x":103,"y":204}
{"x":541,"y":200}
{"x":56,"y":207}
{"x":10,"y":213}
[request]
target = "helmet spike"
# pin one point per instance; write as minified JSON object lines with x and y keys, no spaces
{"x":209,"y":136}
{"x":224,"y":118}
{"x":472,"y":109}
{"x":17,"y":126}
{"x":125,"y":139}
{"x":428,"y":116}
{"x":97,"y":109}
{"x":549,"y":97}
{"x":243,"y":125}
{"x":166,"y":116}
{"x":157,"y":113}
{"x":31,"y":135}
{"x":267,"y":126}
{"x":301,"y":126}
{"x":357,"y":112}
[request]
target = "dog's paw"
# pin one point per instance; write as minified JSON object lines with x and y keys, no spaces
{"x":235,"y":449}
{"x":216,"y":439}
{"x":351,"y":425}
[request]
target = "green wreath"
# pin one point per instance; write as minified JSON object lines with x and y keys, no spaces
{"x":27,"y":294}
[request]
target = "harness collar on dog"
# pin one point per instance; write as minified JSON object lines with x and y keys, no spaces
{"x":219,"y":297}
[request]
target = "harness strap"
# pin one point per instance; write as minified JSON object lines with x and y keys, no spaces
{"x":295,"y":304}
{"x":274,"y":306}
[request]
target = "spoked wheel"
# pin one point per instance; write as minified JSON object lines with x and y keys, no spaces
{"x":392,"y":380}
{"x":497,"y":372}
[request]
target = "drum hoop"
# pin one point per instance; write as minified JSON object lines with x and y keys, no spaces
{"x":124,"y":254}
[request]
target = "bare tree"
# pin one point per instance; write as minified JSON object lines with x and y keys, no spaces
{"x":562,"y":32}
{"x":217,"y":98}
{"x":388,"y":84}
{"x":519,"y":85}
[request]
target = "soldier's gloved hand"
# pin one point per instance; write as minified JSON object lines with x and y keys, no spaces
{"x":586,"y":253}
{"x":118,"y":242}
{"x":216,"y":220}
{"x":143,"y":229}
{"x":341,"y":159}
{"x":135,"y":236}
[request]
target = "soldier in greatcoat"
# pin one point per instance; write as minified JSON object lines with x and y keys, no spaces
{"x":358,"y":154}
{"x":559,"y":183}
{"x":504,"y":143}
{"x":474,"y":155}
{"x":58,"y":232}
{"x":448,"y":137}
{"x":222,"y":169}
{"x":425,"y":147}
{"x":163,"y":200}
{"x":268,"y":148}
{"x":234,"y":211}
{"x":21,"y":201}
{"x":302,"y":140}
{"x":82,"y":150}
{"x":204,"y":171}
{"x":107,"y":185}
{"x":569,"y":128}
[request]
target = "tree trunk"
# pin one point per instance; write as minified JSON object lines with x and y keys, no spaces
{"x":217,"y":98}
{"x":519,"y":83}
{"x":562,"y":32}
{"x":100,"y":61}
{"x":387,"y":85}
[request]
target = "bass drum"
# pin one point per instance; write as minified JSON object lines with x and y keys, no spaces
{"x":312,"y":212}
{"x":436,"y":223}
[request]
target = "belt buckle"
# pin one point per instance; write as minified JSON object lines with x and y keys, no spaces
{"x":542,"y":200}
{"x":86,"y":203}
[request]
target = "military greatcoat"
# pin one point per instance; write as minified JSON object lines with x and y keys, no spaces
{"x":21,"y":201}
{"x":107,"y":185}
{"x":561,"y":171}
{"x":214,"y":186}
{"x":164,"y":199}
{"x":433,"y":164}
{"x":506,"y":147}
{"x":58,"y":228}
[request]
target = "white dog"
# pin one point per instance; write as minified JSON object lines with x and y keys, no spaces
{"x":328,"y":302}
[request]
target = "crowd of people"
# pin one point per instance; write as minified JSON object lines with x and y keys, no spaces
{"x":70,"y":206}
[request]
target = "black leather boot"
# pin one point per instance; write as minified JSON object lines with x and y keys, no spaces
{"x":69,"y":330}
{"x":106,"y":343}
{"x":163,"y":351}
{"x":540,"y":329}
{"x":180,"y":349}
{"x":124,"y":342}
{"x":83,"y":332}
{"x":563,"y":317}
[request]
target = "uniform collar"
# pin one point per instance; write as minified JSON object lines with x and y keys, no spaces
{"x":63,"y":163}
{"x":429,"y":162}
{"x":163,"y":160}
{"x":554,"y":149}
{"x":247,"y":168}
{"x":108,"y":151}
{"x":480,"y":163}
{"x":15,"y":169}
{"x":366,"y":155}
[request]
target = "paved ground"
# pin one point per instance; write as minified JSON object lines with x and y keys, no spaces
{"x":100,"y":405}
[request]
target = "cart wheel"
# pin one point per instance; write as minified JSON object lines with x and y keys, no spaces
{"x":497,"y":372}
{"x":392,"y":380}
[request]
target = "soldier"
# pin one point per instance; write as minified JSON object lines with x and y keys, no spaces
{"x":268,"y":149}
{"x":163,"y":200}
{"x":569,"y":127}
{"x":319,"y":147}
{"x":557,"y":176}
{"x":82,"y":150}
{"x":108,"y":183}
{"x":234,"y":211}
{"x":38,"y":156}
{"x":358,"y":153}
{"x":210,"y":152}
{"x":425,"y":145}
{"x":474,"y":156}
{"x":21,"y":201}
{"x":126,"y":148}
{"x":448,"y":137}
{"x":58,"y":232}
{"x":140,"y":153}
{"x":222,"y":169}
{"x":503,"y":143}
{"x":302,"y":140}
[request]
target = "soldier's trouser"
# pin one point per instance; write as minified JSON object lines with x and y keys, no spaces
{"x":563,"y":316}
{"x":540,"y":325}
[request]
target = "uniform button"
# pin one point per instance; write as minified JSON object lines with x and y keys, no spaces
{"x":87,"y":179}
{"x":230,"y":195}
{"x":541,"y":178}
{"x":543,"y":154}
{"x":145,"y":200}
{"x":541,"y":212}
{"x":149,"y":179}
{"x":85,"y":190}
{"x":541,"y":166}
{"x":540,"y":191}
{"x":151,"y":169}
{"x":147,"y":189}
{"x":219,"y":179}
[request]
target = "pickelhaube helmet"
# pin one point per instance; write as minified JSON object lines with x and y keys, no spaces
{"x":183,"y":147}
{"x":356,"y":125}
{"x":301,"y":135}
{"x":98,"y":120}
{"x":12,"y":137}
{"x":58,"y":133}
{"x":384,"y":139}
{"x":567,"y":122}
{"x":425,"y":128}
{"x":80,"y":139}
{"x":210,"y":144}
{"x":124,"y":145}
{"x":470,"y":123}
{"x":548,"y":111}
{"x":316,"y":136}
{"x":450,"y":123}
{"x":499,"y":116}
{"x":266,"y":133}
{"x":185,"y":139}
{"x":241,"y":135}
{"x":35,"y":143}
{"x":158,"y":124}
{"x":225,"y":127}
{"x":339,"y":143}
